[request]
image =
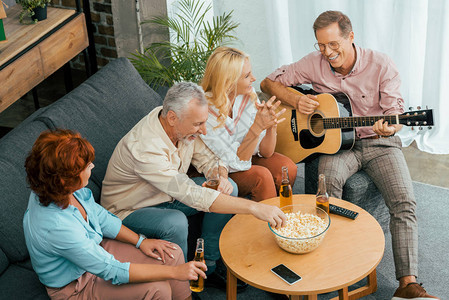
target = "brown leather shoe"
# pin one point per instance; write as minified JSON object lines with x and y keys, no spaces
{"x":414,"y":291}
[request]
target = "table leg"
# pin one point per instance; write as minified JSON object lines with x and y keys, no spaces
{"x":369,"y":288}
{"x":35,"y":98}
{"x":343,"y":294}
{"x":372,"y":281}
{"x":68,"y":79}
{"x":311,"y":297}
{"x":231,"y":286}
{"x":90,"y":33}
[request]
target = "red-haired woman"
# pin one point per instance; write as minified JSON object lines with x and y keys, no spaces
{"x":79,"y":249}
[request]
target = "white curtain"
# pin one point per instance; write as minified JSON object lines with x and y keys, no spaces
{"x":414,"y":33}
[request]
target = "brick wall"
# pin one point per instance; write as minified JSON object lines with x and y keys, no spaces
{"x":103,"y":30}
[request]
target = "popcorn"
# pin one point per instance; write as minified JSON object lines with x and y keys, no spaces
{"x":298,"y":235}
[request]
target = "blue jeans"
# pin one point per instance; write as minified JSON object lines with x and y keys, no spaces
{"x":168,"y":221}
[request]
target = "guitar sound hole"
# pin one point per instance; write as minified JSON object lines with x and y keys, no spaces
{"x":316,"y":125}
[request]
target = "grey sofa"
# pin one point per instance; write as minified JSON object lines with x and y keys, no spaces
{"x":103,"y":109}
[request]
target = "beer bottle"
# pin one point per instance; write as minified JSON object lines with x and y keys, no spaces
{"x":285,"y":192}
{"x":198,"y":285}
{"x":322,"y":198}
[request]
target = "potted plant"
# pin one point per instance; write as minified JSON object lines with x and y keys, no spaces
{"x":2,"y":28}
{"x":36,"y":9}
{"x":193,"y":41}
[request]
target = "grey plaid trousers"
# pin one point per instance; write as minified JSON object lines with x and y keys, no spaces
{"x":382,"y":159}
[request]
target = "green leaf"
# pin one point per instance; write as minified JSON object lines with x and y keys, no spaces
{"x":184,"y":57}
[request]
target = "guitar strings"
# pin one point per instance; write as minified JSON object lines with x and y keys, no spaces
{"x":337,"y":122}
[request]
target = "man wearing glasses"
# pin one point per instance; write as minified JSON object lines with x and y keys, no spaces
{"x":372,"y":82}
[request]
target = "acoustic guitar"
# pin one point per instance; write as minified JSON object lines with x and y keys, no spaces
{"x":330,"y":127}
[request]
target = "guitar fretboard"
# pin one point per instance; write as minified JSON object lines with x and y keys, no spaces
{"x":351,"y":122}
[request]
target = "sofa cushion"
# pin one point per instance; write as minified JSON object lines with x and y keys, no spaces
{"x":4,"y":262}
{"x":103,"y":109}
{"x":14,"y":191}
{"x":25,"y":264}
{"x":96,"y":190}
{"x":20,"y":283}
{"x":361,"y":190}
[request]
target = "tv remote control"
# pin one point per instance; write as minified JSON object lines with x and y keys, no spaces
{"x":334,"y":209}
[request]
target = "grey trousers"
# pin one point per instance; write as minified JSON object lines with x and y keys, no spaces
{"x":382,"y":159}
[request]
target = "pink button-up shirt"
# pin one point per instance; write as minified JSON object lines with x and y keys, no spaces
{"x":373,"y":85}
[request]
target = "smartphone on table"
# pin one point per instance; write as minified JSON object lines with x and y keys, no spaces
{"x":286,"y":274}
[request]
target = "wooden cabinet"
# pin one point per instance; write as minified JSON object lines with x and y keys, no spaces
{"x":34,"y":52}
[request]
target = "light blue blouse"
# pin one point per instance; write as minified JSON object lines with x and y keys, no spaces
{"x":63,"y":246}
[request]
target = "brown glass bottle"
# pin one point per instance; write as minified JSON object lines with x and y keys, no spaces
{"x":198,"y":285}
{"x":322,"y":198}
{"x":285,"y":192}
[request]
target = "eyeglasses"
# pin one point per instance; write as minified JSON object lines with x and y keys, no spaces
{"x":334,"y":45}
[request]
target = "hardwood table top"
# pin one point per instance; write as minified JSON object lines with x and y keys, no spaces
{"x":20,"y":36}
{"x":350,"y":251}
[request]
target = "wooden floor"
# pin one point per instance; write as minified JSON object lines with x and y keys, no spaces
{"x":424,"y":167}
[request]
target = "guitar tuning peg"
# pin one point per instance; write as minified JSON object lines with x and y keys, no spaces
{"x":418,"y":107}
{"x":410,"y":108}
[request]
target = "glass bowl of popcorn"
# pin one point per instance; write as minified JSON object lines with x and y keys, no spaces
{"x":304,"y":230}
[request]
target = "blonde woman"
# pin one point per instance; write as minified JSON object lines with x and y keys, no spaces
{"x":240,"y":129}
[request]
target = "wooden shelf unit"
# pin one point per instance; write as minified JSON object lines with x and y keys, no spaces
{"x":34,"y":52}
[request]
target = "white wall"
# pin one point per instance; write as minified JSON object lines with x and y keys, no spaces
{"x":251,"y":38}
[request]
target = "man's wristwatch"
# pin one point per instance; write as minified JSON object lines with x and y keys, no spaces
{"x":141,"y":238}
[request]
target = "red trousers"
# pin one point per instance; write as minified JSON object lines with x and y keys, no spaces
{"x":265,"y":177}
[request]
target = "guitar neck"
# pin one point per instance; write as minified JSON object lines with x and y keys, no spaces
{"x":352,"y":122}
{"x":341,"y":103}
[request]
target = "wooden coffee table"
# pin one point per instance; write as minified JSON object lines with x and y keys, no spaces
{"x":351,"y":251}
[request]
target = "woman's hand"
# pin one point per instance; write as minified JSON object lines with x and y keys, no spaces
{"x":158,"y":249}
{"x":266,"y":116}
{"x":191,"y":270}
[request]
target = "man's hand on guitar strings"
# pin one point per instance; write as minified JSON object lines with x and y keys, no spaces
{"x":306,"y":104}
{"x":382,"y":128}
